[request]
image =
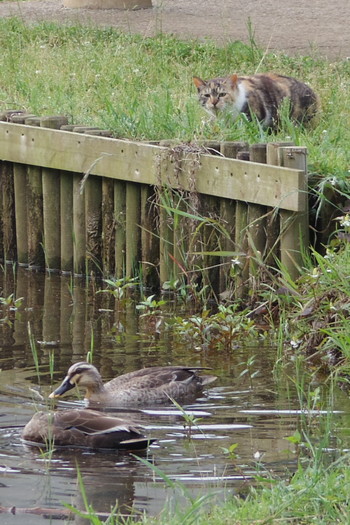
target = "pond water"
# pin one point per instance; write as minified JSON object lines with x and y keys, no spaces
{"x":65,"y":319}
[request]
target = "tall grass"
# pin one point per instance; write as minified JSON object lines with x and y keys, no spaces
{"x":141,"y":88}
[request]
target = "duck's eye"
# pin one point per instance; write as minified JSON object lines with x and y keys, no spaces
{"x":222,"y":94}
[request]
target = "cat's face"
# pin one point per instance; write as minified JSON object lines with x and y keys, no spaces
{"x":216,"y":94}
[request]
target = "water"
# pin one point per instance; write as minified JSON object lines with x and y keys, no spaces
{"x":66,"y":319}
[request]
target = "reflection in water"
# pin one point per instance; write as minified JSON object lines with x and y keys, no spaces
{"x":67,"y":319}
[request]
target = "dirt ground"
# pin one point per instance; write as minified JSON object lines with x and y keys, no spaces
{"x":294,"y":26}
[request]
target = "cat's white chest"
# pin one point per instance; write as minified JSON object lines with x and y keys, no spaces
{"x":239,"y":101}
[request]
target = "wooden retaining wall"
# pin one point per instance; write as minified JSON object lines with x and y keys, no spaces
{"x":78,"y":202}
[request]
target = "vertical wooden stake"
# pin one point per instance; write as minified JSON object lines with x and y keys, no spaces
{"x":108,"y":227}
{"x":66,"y":209}
{"x":51,"y":204}
{"x":256,"y":218}
{"x":79,"y":243}
{"x":120,"y":227}
{"x":149,"y":237}
{"x":133,"y":232}
{"x":8,"y":212}
{"x":20,"y":186}
{"x":272,"y":249}
{"x":295,"y":225}
{"x":93,"y":222}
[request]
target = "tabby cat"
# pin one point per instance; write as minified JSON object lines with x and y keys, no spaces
{"x":260,"y":94}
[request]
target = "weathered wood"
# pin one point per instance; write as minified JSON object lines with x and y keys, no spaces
{"x":66,"y":210}
{"x":108,"y":227}
{"x":143,"y":163}
{"x":21,"y":210}
{"x":120,"y":227}
{"x":51,"y":203}
{"x":257,"y":218}
{"x":93,"y":204}
{"x":272,"y":248}
{"x":52,"y":218}
{"x":166,"y":240}
{"x":8,"y":212}
{"x":35,"y":217}
{"x":133,"y":231}
{"x":241,"y":238}
{"x":79,"y":241}
{"x":295,"y":225}
{"x":149,"y":237}
{"x":230,"y":149}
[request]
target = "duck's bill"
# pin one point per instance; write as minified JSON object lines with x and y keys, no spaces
{"x":64,"y":387}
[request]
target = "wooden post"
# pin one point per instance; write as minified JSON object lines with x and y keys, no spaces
{"x":66,"y":209}
{"x":133,"y":232}
{"x":166,"y":242}
{"x":295,"y":225}
{"x":108,"y":227}
{"x":93,"y":223}
{"x":149,"y":237}
{"x":120,"y":227}
{"x":228,"y":216}
{"x":272,"y":249}
{"x":79,"y":243}
{"x":35,"y":217}
{"x":21,"y":210}
{"x":8,"y":212}
{"x":51,"y":203}
{"x":20,"y":187}
{"x":256,"y":218}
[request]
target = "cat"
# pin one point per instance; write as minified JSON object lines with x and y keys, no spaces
{"x":261,"y":94}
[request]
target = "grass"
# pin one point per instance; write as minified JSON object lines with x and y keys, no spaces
{"x":141,"y":88}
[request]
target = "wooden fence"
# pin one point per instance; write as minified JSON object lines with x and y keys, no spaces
{"x":78,"y":202}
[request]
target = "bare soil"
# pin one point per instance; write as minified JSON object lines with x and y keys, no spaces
{"x":318,"y":27}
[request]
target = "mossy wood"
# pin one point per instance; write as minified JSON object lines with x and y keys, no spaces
{"x":148,"y":164}
{"x":118,"y":207}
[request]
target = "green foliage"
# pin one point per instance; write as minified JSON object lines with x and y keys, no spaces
{"x":221,"y":330}
{"x":119,"y":287}
{"x":141,"y":88}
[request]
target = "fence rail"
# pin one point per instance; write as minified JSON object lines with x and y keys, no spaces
{"x":79,"y":203}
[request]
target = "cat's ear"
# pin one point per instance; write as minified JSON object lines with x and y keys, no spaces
{"x":198,"y":82}
{"x":233,"y":79}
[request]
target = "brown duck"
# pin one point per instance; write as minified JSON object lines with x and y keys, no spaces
{"x":83,"y":428}
{"x":143,"y":387}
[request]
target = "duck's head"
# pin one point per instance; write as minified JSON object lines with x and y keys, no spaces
{"x":80,"y":374}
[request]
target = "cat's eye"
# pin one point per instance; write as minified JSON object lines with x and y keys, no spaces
{"x":223,"y":94}
{"x":207,"y":95}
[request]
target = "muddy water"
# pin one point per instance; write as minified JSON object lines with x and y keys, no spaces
{"x":66,"y":319}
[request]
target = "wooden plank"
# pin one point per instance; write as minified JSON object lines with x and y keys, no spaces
{"x":93,"y":223}
{"x":8,"y":212}
{"x":149,"y":237}
{"x":52,"y":218}
{"x":20,"y":185}
{"x":120,"y":227}
{"x":35,"y":217}
{"x":108,"y":227}
{"x":66,"y":208}
{"x":51,"y":203}
{"x":79,"y":243}
{"x":294,"y":225}
{"x":133,"y":231}
{"x":148,"y":164}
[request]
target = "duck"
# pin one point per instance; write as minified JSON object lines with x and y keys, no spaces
{"x":83,"y":428}
{"x":153,"y":385}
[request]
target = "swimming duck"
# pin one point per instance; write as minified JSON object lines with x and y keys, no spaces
{"x":142,"y":387}
{"x":83,"y":428}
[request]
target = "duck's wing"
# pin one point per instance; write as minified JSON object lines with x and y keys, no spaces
{"x":93,"y":423}
{"x":157,"y":376}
